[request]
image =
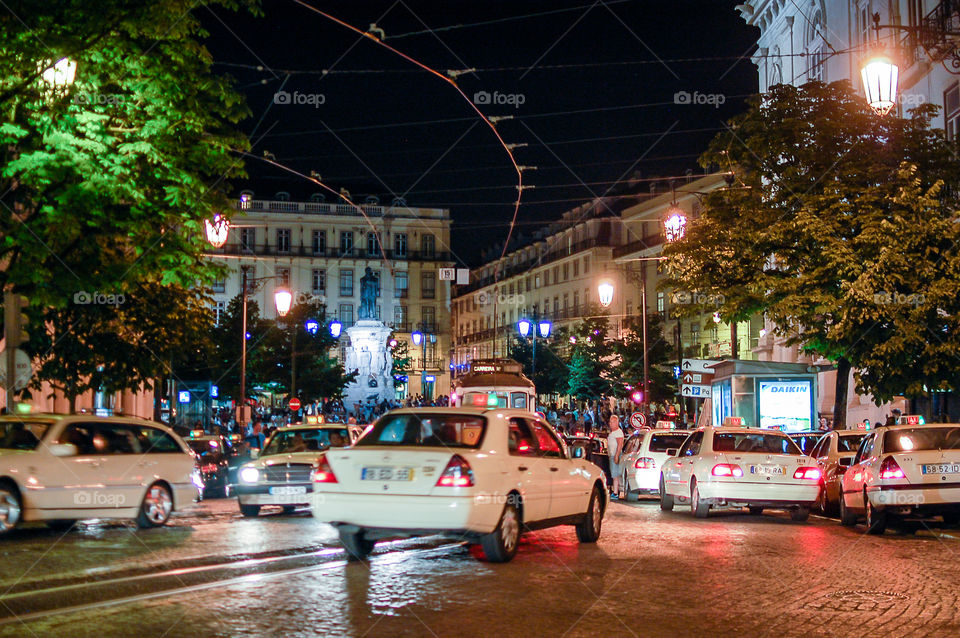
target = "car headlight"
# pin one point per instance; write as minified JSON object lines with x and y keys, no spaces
{"x":249,"y":475}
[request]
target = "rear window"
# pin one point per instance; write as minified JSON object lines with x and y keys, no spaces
{"x":426,"y":430}
{"x":754,"y":442}
{"x":849,"y":443}
{"x":922,"y":438}
{"x":663,"y":442}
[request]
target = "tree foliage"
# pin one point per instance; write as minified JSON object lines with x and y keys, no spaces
{"x":836,"y":212}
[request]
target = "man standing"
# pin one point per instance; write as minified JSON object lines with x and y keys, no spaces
{"x":614,"y":450}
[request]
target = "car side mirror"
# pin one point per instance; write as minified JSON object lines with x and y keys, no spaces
{"x":672,"y":451}
{"x":63,"y":449}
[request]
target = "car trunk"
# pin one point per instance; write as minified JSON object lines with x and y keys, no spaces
{"x":929,"y":467}
{"x":759,"y":466}
{"x":389,"y":470}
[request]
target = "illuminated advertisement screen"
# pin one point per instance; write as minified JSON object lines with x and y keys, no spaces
{"x":786,"y":405}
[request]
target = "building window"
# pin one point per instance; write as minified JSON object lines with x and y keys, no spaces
{"x":319,"y":281}
{"x":576,"y":268}
{"x":219,"y":312}
{"x":528,"y":284}
{"x":220,"y":285}
{"x":576,"y":302}
{"x":283,"y":277}
{"x":586,"y":297}
{"x":346,"y":283}
{"x":373,"y":244}
{"x":318,"y":242}
{"x":248,"y":239}
{"x":400,"y":285}
{"x":661,"y":301}
{"x":556,"y":275}
{"x":536,"y":281}
{"x":400,"y":245}
{"x":566,"y":272}
{"x":951,"y":111}
{"x":863,"y":24}
{"x":429,"y":314}
{"x":816,"y":65}
{"x":346,"y":242}
{"x":586,"y":265}
{"x":428,"y":246}
{"x":283,"y":240}
{"x":556,"y":305}
{"x":566,"y":301}
{"x":400,"y":317}
{"x":346,"y":314}
{"x":629,"y":310}
{"x":428,"y":285}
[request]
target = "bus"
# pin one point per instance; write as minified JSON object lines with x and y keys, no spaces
{"x":494,"y":383}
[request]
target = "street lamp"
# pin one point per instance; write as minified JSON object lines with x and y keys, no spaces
{"x":605,"y":292}
{"x":524,"y":327}
{"x":880,"y":75}
{"x":312,"y":326}
{"x":283,"y":298}
{"x":59,"y":74}
{"x":335,"y":328}
{"x":674,"y":223}
{"x":217,"y":230}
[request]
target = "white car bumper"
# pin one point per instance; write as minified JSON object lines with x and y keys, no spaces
{"x":934,"y":495}
{"x":647,"y":480}
{"x":477,"y":514}
{"x":759,"y":493}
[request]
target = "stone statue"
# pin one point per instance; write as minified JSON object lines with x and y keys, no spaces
{"x":369,"y":291}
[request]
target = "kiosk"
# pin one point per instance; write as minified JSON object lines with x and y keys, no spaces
{"x":766,"y":394}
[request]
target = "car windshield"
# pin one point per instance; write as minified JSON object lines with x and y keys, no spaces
{"x":663,"y":442}
{"x":922,"y":438}
{"x":306,"y":440}
{"x":849,"y":442}
{"x":754,"y":442}
{"x":426,"y":430}
{"x":21,"y":435}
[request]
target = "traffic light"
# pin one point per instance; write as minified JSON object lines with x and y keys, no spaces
{"x":15,"y":320}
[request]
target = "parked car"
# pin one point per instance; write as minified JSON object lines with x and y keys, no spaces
{"x":903,"y":471}
{"x":62,"y":468}
{"x":211,"y":451}
{"x":806,"y":440}
{"x":643,"y":454}
{"x":473,"y":473}
{"x":834,"y":453}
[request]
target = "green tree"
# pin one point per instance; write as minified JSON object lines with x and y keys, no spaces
{"x":551,"y":374}
{"x":592,"y":360}
{"x":225,"y":363}
{"x":630,"y":352}
{"x":815,"y":232}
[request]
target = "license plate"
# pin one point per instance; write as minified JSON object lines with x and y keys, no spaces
{"x":766,"y":469}
{"x":941,"y":468}
{"x":387,"y":474}
{"x":288,"y":489}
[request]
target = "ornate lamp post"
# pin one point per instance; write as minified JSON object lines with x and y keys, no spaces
{"x":526,"y":327}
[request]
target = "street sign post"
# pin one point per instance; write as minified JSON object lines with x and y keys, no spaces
{"x":696,"y":378}
{"x":22,"y":369}
{"x":294,"y":404}
{"x":638,"y":420}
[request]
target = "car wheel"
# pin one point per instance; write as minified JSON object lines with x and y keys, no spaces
{"x":632,"y":496}
{"x":356,"y":543}
{"x":156,"y":506}
{"x":698,"y":507}
{"x":800,"y":514}
{"x":756,"y":510}
{"x":588,"y":530}
{"x":500,"y":545}
{"x":289,"y":509}
{"x":823,"y":503}
{"x":876,"y":519}
{"x":10,"y":508}
{"x":666,"y":500}
{"x":847,"y":518}
{"x":249,"y":510}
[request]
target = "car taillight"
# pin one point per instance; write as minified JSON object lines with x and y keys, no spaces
{"x":645,"y":464}
{"x":890,"y":469}
{"x":210,"y":467}
{"x":322,"y":472}
{"x":456,"y":474}
{"x":809,"y":473}
{"x":726,"y":469}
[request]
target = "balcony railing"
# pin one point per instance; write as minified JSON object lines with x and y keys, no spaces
{"x":322,"y":208}
{"x":268,"y":250}
{"x":940,"y":31}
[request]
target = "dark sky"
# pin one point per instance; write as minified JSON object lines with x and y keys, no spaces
{"x":597,"y":83}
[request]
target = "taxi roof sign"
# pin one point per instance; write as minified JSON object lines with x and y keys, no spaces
{"x":666,"y":425}
{"x":196,"y":433}
{"x":911,"y":419}
{"x":733,"y":421}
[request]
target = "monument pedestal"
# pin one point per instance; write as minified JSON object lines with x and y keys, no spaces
{"x":368,"y":354}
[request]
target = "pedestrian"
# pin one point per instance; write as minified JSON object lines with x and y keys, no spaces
{"x":614,"y":450}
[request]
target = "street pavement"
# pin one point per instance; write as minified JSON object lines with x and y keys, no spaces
{"x":213,"y":573}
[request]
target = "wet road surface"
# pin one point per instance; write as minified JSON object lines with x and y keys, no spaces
{"x":214,"y":573}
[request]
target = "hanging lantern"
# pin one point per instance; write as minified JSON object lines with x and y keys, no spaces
{"x":674,"y":223}
{"x":880,"y":75}
{"x":217,"y":230}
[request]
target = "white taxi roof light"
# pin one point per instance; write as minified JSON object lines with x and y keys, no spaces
{"x":911,"y":419}
{"x":733,"y":421}
{"x":196,"y":433}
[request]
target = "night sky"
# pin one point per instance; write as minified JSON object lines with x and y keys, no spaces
{"x":596,"y":82}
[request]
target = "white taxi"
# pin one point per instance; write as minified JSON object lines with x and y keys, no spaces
{"x":643,"y":454}
{"x":740,"y":467}
{"x":484,"y":475}
{"x":280,"y":475}
{"x":834,"y":453}
{"x":60,"y":469}
{"x":903,"y":471}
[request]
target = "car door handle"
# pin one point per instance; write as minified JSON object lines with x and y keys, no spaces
{"x":522,"y":468}
{"x":554,"y":469}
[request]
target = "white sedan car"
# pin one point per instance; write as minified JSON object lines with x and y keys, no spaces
{"x":280,"y":475}
{"x":643,"y":454}
{"x":740,"y":467}
{"x":60,"y":469}
{"x":476,"y":474}
{"x":903,"y":471}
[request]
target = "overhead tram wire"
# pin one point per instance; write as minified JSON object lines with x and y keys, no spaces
{"x":451,"y":82}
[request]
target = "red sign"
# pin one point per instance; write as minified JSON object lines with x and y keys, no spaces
{"x":294,"y":404}
{"x":638,"y":420}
